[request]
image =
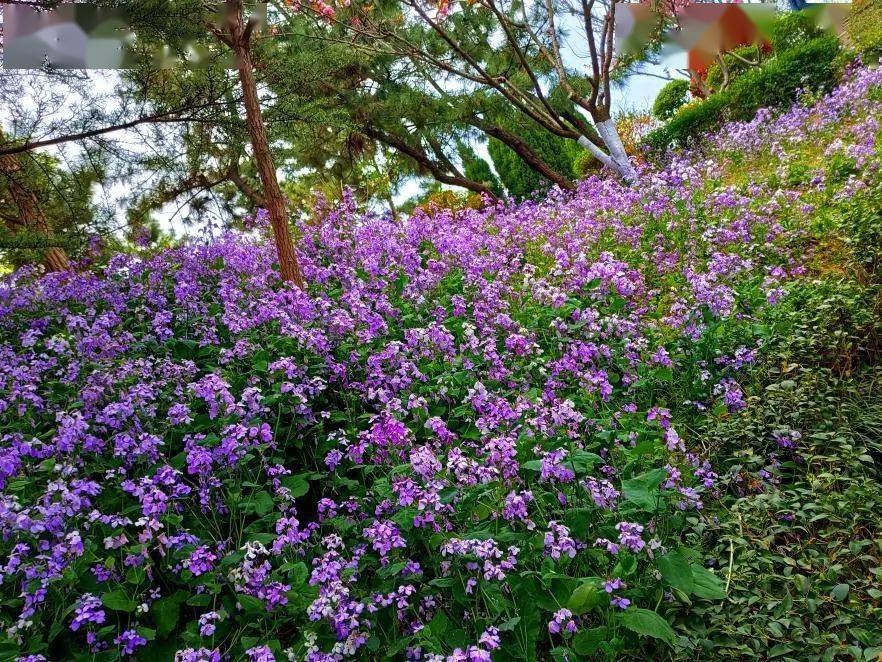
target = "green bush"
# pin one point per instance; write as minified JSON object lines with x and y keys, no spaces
{"x":794,"y":28}
{"x":773,"y":84}
{"x":669,"y":99}
{"x":477,"y":169}
{"x":519,"y":179}
{"x":737,"y":62}
{"x":585,"y":164}
{"x":693,"y":120}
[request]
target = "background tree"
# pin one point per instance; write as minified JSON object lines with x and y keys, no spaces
{"x":522,"y":70}
{"x":47,"y":212}
{"x":519,"y":179}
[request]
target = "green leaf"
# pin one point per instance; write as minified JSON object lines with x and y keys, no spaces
{"x":118,"y":600}
{"x":706,"y":584}
{"x":199,"y":600}
{"x":626,"y":566}
{"x":148,"y":633}
{"x":509,"y":625}
{"x":839,"y":592}
{"x":299,"y":574}
{"x":642,"y":490}
{"x":298,"y":485}
{"x":586,"y":642}
{"x":676,"y":571}
{"x":648,"y":623}
{"x":166,"y":612}
{"x":262,"y":503}
{"x":585,"y":597}
{"x":779,"y":650}
{"x":250,"y":604}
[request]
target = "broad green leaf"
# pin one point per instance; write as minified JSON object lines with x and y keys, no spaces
{"x":298,"y":485}
{"x":299,"y":574}
{"x":250,"y":604}
{"x":642,"y":490}
{"x":584,"y":598}
{"x":779,"y":650}
{"x":586,"y":642}
{"x":262,"y":503}
{"x":839,"y":592}
{"x":118,"y":600}
{"x":648,"y":623}
{"x":509,"y":625}
{"x":706,"y":584}
{"x":626,"y":566}
{"x":148,"y":633}
{"x":166,"y":612}
{"x":676,"y":571}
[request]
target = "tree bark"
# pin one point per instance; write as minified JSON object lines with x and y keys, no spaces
{"x":526,"y":153}
{"x":240,"y":39}
{"x":620,"y":162}
{"x":32,"y":217}
{"x":423,"y":160}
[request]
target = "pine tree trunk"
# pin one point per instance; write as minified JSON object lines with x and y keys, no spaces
{"x":616,"y":159}
{"x":526,"y":153}
{"x":610,"y":136}
{"x":272,"y":193}
{"x":31,"y":213}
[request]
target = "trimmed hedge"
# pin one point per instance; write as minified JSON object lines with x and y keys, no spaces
{"x":775,"y":83}
{"x":794,"y":28}
{"x":670,"y":98}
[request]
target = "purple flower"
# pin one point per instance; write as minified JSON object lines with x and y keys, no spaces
{"x":553,"y":467}
{"x":260,"y":654}
{"x":630,"y":536}
{"x":179,"y":414}
{"x":201,"y":560}
{"x":558,"y":541}
{"x":197,"y":655}
{"x":490,"y":638}
{"x":207,"y":623}
{"x":88,"y":611}
{"x":384,"y":537}
{"x":620,"y":602}
{"x":562,"y":622}
{"x":130,"y":640}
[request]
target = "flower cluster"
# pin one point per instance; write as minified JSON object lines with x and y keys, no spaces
{"x":464,"y":410}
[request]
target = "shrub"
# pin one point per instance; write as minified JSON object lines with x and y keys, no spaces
{"x":736,"y":64}
{"x":477,"y":169}
{"x":670,"y":98}
{"x":691,"y":121}
{"x":794,"y":28}
{"x":776,"y":83}
{"x":586,"y":163}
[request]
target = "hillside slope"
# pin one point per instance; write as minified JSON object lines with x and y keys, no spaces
{"x":623,"y":422}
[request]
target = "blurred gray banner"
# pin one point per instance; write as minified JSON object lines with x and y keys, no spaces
{"x":81,"y":36}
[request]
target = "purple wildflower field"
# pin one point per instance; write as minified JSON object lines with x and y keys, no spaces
{"x":472,"y":437}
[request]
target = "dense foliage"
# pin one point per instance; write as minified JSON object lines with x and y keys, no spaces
{"x":511,"y":431}
{"x":520,"y":180}
{"x":673,"y":95}
{"x":810,"y":66}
